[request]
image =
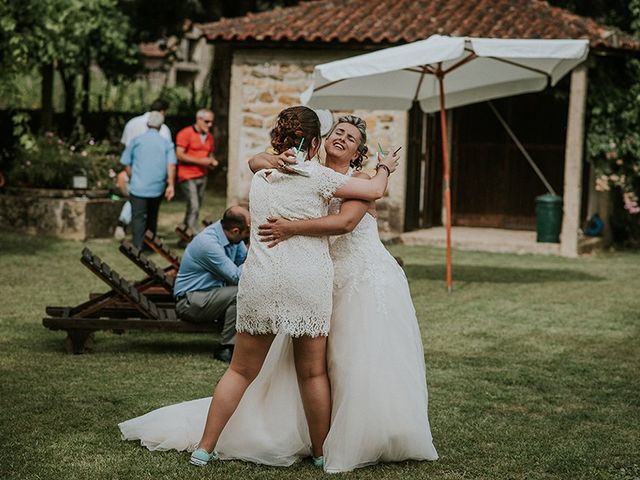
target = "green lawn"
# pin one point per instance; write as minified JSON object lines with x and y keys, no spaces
{"x":532,"y":369}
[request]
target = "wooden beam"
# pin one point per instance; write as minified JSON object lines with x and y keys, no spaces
{"x":573,"y":163}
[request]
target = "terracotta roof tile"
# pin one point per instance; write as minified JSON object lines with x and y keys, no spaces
{"x":153,"y":50}
{"x":401,"y":21}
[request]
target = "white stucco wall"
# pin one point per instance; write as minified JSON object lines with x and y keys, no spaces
{"x":263,"y":82}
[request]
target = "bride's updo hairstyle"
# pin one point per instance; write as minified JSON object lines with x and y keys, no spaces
{"x":294,"y":124}
{"x":363,"y":150}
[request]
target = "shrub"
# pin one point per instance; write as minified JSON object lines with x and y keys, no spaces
{"x":613,"y":141}
{"x":48,"y":161}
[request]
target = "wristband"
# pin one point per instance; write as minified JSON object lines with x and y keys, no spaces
{"x":382,"y":165}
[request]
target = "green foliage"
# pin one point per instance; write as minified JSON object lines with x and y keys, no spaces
{"x":613,"y":138}
{"x":607,"y":12}
{"x":613,"y":132}
{"x":49,"y":162}
{"x":613,"y":120}
{"x":69,"y":33}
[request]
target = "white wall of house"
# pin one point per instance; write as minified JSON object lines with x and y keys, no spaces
{"x":195,"y":57}
{"x":263,"y":82}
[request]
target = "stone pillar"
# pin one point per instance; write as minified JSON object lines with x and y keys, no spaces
{"x":573,"y":163}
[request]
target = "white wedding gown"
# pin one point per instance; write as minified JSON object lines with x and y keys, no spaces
{"x":376,"y":368}
{"x":375,"y":357}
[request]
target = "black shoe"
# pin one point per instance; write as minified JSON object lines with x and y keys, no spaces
{"x":224,"y":353}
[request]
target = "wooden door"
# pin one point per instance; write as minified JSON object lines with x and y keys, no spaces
{"x":493,"y":185}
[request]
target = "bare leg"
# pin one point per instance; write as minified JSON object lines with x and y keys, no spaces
{"x":311,"y":367}
{"x":248,"y":357}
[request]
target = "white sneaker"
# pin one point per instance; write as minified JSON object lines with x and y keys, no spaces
{"x":119,"y":233}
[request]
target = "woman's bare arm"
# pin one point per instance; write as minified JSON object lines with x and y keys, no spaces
{"x":351,"y":212}
{"x":280,"y":229}
{"x":372,"y":189}
{"x":265,"y":160}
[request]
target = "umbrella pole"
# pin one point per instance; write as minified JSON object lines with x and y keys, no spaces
{"x":445,"y":174}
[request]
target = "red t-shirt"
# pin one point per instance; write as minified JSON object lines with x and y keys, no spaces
{"x":189,"y":139}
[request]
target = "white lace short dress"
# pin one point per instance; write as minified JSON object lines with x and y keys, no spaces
{"x":288,"y":288}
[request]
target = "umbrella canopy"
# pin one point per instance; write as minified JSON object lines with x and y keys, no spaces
{"x":394,"y":77}
{"x":474,"y":70}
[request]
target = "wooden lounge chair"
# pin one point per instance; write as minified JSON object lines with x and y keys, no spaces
{"x":157,"y":245}
{"x":186,"y":234}
{"x":127,"y":306}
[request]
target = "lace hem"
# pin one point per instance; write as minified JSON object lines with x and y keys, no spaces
{"x":308,"y":326}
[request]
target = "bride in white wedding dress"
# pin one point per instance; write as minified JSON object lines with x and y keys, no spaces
{"x":375,"y":357}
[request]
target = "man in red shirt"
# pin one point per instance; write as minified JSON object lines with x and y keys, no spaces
{"x":194,"y":150}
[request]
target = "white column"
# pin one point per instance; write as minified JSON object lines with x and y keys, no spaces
{"x":235,"y":165}
{"x":573,"y":163}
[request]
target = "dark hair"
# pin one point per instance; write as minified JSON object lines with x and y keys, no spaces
{"x":294,"y":124}
{"x":361,"y":125}
{"x":233,"y":219}
{"x":159,"y":105}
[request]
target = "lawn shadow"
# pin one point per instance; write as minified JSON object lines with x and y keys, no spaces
{"x":489,"y":274}
{"x":133,"y":342}
{"x":203,"y":345}
{"x":23,"y":244}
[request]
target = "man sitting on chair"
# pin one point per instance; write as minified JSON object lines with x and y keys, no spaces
{"x":207,"y":282}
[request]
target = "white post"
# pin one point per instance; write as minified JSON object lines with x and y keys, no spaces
{"x":573,"y":163}
{"x":235,"y":164}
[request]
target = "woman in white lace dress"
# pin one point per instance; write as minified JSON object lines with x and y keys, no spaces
{"x":375,"y":354}
{"x":284,"y":294}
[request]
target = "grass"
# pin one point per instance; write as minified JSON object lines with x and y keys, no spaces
{"x":532,"y":369}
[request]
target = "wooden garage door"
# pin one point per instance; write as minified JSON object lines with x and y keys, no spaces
{"x":493,"y":185}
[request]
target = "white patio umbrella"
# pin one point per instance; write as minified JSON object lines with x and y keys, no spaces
{"x":476,"y":69}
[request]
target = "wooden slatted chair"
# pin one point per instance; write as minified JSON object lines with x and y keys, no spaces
{"x":186,"y":234}
{"x":164,"y":277}
{"x":157,"y":245}
{"x":125,"y":307}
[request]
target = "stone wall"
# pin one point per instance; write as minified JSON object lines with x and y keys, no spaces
{"x":263,"y":82}
{"x":70,"y":218}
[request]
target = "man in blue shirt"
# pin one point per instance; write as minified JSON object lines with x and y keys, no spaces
{"x":207,"y":282}
{"x":150,"y":162}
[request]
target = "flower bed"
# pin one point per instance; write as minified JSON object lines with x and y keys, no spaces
{"x":38,"y":198}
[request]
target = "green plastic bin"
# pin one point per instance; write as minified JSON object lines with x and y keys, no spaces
{"x":548,"y":218}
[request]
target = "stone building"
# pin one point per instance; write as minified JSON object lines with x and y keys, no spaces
{"x":273,"y":54}
{"x":185,"y":63}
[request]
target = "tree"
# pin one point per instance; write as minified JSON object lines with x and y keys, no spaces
{"x":608,"y":12}
{"x":613,"y":116}
{"x":67,"y":36}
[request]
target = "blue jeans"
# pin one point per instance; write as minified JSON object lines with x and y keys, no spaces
{"x":193,"y":192}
